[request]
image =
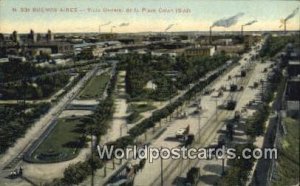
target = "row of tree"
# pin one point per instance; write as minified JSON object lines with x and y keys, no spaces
{"x":239,"y":171}
{"x":255,"y":125}
{"x":15,"y":122}
{"x":96,"y":125}
{"x":241,"y":168}
{"x":170,"y":108}
{"x":191,"y":69}
{"x":42,"y":87}
{"x":13,"y":71}
{"x":273,"y":45}
{"x":143,"y":68}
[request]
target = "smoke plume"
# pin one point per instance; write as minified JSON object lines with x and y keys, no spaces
{"x":169,"y":27}
{"x":124,"y":24}
{"x":105,"y":24}
{"x":292,"y":14}
{"x":250,"y":23}
{"x":228,"y":22}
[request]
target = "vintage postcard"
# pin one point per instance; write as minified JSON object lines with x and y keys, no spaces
{"x":149,"y":92}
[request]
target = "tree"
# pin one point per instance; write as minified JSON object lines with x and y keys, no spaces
{"x":1,"y":37}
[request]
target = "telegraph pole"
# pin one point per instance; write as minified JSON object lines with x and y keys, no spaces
{"x":223,"y":166}
{"x":92,"y":177}
{"x":161,"y":172}
{"x":199,"y":127}
{"x":121,"y":130}
{"x":216,"y":101}
{"x":262,"y":90}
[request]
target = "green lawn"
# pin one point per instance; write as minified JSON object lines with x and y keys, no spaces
{"x":133,"y":117}
{"x":63,"y":142}
{"x":288,"y":160}
{"x":140,"y":107}
{"x":95,"y":87}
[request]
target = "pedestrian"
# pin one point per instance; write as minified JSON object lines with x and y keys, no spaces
{"x":20,"y":171}
{"x":188,"y":129}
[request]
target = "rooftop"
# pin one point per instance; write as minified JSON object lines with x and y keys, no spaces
{"x":294,"y":62}
{"x":200,"y":47}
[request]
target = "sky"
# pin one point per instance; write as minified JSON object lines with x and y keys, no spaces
{"x":87,"y":15}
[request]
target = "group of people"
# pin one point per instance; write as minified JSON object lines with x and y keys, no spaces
{"x":16,"y":173}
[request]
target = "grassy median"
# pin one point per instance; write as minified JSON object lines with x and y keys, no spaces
{"x":288,"y":160}
{"x":63,"y":143}
{"x":95,"y":87}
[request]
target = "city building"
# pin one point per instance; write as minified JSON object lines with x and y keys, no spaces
{"x":13,"y":58}
{"x":33,"y":44}
{"x":53,"y":47}
{"x":49,"y":36}
{"x":15,"y":37}
{"x":230,"y":49}
{"x":126,"y":41}
{"x":293,"y":68}
{"x":170,"y":52}
{"x":200,"y":51}
{"x":292,"y":96}
{"x":4,"y":60}
{"x":32,"y":37}
{"x":223,"y":42}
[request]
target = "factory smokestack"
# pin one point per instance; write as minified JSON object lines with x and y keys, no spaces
{"x":210,"y":35}
{"x":284,"y":21}
{"x":283,"y":24}
{"x":112,"y":28}
{"x":247,"y":24}
{"x":242,"y":30}
{"x":225,"y":22}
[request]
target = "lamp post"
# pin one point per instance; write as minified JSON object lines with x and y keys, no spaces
{"x":161,"y":171}
{"x":92,"y":161}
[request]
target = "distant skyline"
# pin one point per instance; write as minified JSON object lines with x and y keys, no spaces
{"x":200,"y":16}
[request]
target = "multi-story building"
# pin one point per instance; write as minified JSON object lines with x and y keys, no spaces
{"x":231,"y":49}
{"x":225,"y":41}
{"x":200,"y":51}
{"x":54,"y":47}
{"x":292,"y":95}
{"x":292,"y":90}
{"x":293,"y":68}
